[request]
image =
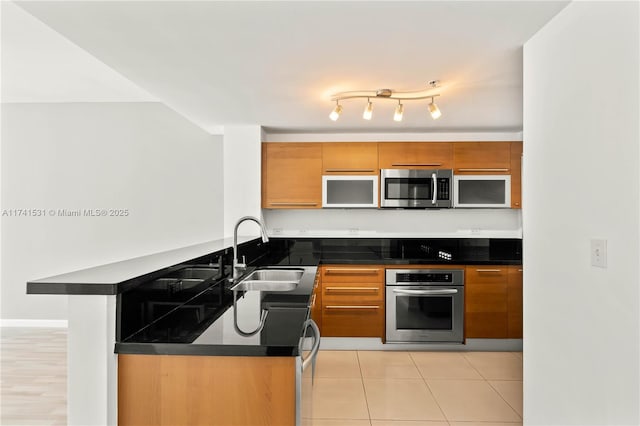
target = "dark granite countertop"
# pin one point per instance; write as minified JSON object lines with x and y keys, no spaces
{"x":159,"y":312}
{"x":204,"y":324}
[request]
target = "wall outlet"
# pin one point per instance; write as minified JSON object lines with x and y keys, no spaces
{"x":599,"y":253}
{"x":353,"y":231}
{"x":276,"y":231}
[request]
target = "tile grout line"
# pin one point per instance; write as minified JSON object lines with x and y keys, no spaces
{"x":507,"y":402}
{"x":364,"y":389}
{"x":429,"y":388}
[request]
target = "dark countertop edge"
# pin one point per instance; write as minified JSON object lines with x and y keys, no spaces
{"x":110,"y":289}
{"x":200,"y":350}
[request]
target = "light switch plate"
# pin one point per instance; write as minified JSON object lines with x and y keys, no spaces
{"x":599,"y":253}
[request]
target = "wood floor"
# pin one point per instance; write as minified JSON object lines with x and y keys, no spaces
{"x":33,"y":376}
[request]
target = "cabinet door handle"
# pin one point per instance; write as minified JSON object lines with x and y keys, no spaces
{"x":313,"y":301}
{"x":483,"y":170}
{"x":417,"y":164}
{"x":353,"y":307}
{"x":293,"y":204}
{"x":352,"y":289}
{"x":349,"y":170}
{"x":488,"y":270}
{"x":519,"y":270}
{"x":351,"y":271}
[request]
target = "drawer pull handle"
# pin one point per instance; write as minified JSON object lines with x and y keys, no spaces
{"x":353,"y":289}
{"x":519,"y":270}
{"x":293,"y":204}
{"x":417,"y":164}
{"x":349,"y":170}
{"x":483,"y":170}
{"x":313,"y":301}
{"x":353,"y":307}
{"x":488,"y":270}
{"x":351,"y":271}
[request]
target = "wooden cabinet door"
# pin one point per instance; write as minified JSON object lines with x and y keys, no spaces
{"x":486,"y":302}
{"x":352,"y":301}
{"x":514,"y":303}
{"x":291,"y":175}
{"x":482,"y":158}
{"x":358,"y":158}
{"x":415,"y":155}
{"x":516,"y":175}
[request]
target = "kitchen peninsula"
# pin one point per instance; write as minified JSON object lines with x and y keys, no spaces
{"x":103,"y":300}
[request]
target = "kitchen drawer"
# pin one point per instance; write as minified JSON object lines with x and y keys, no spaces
{"x":357,"y":320}
{"x":486,"y":274}
{"x":351,"y":274}
{"x":348,"y":293}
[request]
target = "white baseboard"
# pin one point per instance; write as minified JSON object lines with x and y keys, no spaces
{"x":41,"y":323}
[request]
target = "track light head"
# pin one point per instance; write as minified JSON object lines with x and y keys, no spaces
{"x":368,"y":110}
{"x":434,"y":110}
{"x":397,"y":116}
{"x":335,"y":114}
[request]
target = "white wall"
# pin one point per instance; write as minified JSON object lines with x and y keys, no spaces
{"x":137,"y":156}
{"x":242,"y":166}
{"x":581,"y":177}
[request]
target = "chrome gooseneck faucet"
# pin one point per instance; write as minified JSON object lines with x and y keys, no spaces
{"x":239,"y":268}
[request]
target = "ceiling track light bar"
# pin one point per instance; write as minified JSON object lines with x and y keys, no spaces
{"x":429,"y":93}
{"x":398,"y":96}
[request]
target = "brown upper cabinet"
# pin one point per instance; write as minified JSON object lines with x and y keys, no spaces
{"x":482,"y":158}
{"x":291,"y":175}
{"x":415,"y":155}
{"x":516,"y":175}
{"x":350,"y":158}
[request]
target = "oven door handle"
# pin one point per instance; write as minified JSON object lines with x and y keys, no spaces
{"x":425,"y":292}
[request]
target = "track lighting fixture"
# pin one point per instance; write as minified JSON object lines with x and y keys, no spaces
{"x":368,"y":110}
{"x":336,"y":111}
{"x":428,"y":93}
{"x":397,"y":116}
{"x":434,"y":110}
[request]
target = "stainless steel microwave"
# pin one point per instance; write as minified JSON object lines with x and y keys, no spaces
{"x":410,"y":188}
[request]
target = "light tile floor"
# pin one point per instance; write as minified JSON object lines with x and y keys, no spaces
{"x":352,"y":388}
{"x":392,"y":388}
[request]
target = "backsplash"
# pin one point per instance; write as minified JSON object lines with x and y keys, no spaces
{"x":496,"y":223}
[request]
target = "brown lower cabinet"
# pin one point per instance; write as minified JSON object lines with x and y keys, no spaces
{"x":514,"y":303}
{"x":173,"y":390}
{"x":352,"y":301}
{"x":493,"y":301}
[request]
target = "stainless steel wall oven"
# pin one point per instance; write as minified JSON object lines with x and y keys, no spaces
{"x":425,"y":305}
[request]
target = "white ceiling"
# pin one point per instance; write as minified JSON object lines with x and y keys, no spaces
{"x":276,"y":64}
{"x":40,"y":65}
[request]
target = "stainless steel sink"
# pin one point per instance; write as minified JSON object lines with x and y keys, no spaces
{"x":194,"y":273}
{"x":270,"y":280}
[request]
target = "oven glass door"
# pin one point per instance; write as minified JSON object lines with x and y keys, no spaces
{"x":425,"y":313}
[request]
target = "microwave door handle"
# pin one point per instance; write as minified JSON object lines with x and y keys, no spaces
{"x":426,"y":292}
{"x":434,"y":180}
